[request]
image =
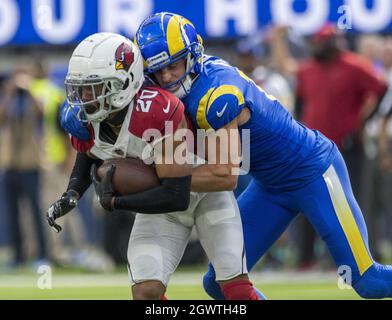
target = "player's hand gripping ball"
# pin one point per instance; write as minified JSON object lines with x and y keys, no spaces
{"x":131,"y":175}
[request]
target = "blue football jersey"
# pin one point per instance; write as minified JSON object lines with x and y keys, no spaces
{"x":283,"y":154}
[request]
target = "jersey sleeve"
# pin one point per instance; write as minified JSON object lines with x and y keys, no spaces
{"x":156,"y":109}
{"x":83,"y":145}
{"x":219,"y":106}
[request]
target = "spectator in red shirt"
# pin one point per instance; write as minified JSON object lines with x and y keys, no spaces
{"x":338,"y":89}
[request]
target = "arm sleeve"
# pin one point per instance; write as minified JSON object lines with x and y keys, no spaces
{"x":172,"y":195}
{"x":80,"y":180}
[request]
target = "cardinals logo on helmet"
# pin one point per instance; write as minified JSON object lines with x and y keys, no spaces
{"x":124,"y":57}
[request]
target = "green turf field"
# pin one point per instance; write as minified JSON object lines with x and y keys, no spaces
{"x":184,"y":286}
{"x":180,"y":292}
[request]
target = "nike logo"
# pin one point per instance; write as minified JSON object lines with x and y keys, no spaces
{"x":167,"y":109}
{"x":220,"y":114}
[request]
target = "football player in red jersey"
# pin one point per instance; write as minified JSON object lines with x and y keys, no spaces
{"x":105,"y":83}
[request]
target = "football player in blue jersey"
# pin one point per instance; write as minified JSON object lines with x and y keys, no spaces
{"x":294,"y":169}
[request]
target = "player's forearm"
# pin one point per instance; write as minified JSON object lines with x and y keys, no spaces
{"x":213,"y":178}
{"x":281,"y":56}
{"x":80,"y":180}
{"x":369,"y":108}
{"x":172,"y":195}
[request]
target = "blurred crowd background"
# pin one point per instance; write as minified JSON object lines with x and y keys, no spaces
{"x":332,"y":80}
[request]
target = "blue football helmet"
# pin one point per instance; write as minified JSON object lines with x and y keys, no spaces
{"x":164,"y":38}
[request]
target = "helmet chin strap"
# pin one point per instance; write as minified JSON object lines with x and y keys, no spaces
{"x":186,"y":83}
{"x":185,"y":86}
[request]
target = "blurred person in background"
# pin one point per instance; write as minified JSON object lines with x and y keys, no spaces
{"x":21,"y":134}
{"x":254,"y":59}
{"x":370,"y":46}
{"x":336,"y":93}
{"x":4,"y":236}
{"x":386,"y":109}
{"x":51,"y":97}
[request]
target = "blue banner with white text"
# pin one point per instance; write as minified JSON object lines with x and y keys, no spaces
{"x":68,"y":21}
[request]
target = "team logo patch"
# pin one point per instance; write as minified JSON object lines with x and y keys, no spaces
{"x":124,"y":57}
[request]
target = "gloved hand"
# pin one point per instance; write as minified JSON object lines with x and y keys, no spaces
{"x":65,"y":204}
{"x":72,"y":124}
{"x":104,"y":188}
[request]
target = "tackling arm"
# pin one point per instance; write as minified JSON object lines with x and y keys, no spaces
{"x":80,"y":180}
{"x":219,"y":174}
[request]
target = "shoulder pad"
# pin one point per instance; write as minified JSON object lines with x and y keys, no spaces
{"x":219,"y":106}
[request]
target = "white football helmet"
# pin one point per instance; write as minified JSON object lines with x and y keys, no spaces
{"x":104,"y":74}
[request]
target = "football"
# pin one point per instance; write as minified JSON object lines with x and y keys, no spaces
{"x":130,"y":176}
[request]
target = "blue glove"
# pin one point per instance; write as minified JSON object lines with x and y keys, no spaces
{"x":72,"y":124}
